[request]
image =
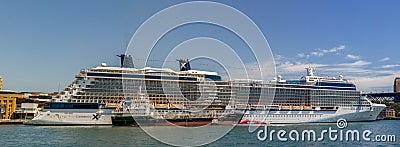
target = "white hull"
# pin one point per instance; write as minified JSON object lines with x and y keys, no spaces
{"x":50,"y":118}
{"x":313,"y":116}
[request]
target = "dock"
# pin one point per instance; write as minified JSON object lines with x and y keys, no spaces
{"x":11,"y":121}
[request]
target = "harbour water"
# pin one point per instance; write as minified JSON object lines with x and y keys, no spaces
{"x":21,"y":135}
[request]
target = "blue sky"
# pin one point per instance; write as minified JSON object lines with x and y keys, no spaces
{"x":44,"y":43}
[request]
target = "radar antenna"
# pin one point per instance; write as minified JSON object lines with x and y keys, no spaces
{"x":310,"y":71}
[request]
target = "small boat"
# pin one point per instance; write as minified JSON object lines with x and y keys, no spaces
{"x":68,"y":113}
{"x":249,"y":123}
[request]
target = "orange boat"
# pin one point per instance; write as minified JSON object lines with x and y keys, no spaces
{"x":161,"y":105}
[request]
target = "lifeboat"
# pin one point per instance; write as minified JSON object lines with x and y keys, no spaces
{"x":190,"y":106}
{"x":307,"y":107}
{"x":112,"y":104}
{"x":296,"y":107}
{"x":176,"y":105}
{"x":161,"y":105}
{"x":286,"y":107}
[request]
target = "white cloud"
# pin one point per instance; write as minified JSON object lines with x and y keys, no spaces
{"x":317,"y":54}
{"x":390,"y":65}
{"x":354,"y":57}
{"x":301,"y":55}
{"x":279,"y":58}
{"x":384,"y":59}
{"x":335,"y":49}
{"x":264,"y":70}
{"x":296,"y":68}
{"x":357,"y":63}
{"x":345,"y":70}
{"x":321,"y":52}
{"x":374,"y":83}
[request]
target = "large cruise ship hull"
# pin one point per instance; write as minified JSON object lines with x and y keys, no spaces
{"x":129,"y":120}
{"x":351,"y":114}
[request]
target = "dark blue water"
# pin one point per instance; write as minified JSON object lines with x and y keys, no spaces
{"x":20,"y":135}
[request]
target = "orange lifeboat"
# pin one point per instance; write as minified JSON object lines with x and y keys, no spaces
{"x":161,"y":105}
{"x":177,"y":105}
{"x":307,"y":107}
{"x":296,"y":107}
{"x":112,"y":104}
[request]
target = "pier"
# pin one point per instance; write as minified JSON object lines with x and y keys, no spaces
{"x":11,"y":121}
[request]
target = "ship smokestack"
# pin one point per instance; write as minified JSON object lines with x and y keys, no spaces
{"x":184,"y":64}
{"x":126,"y":61}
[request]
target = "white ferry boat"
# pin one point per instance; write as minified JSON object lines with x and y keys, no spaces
{"x":68,"y":113}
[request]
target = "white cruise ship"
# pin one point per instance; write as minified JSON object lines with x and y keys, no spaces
{"x":313,"y":99}
{"x":193,"y":95}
